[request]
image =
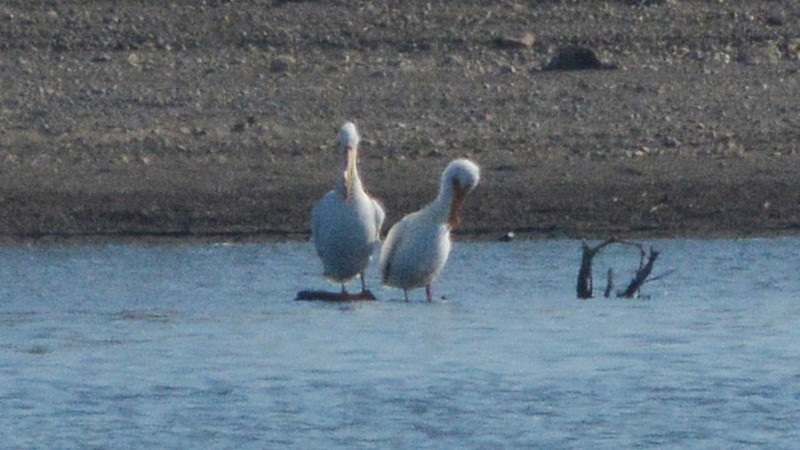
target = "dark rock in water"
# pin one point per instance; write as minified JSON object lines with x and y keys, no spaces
{"x":577,"y":58}
{"x":326,"y":296}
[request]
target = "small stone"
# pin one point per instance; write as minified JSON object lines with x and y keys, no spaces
{"x":281,"y":64}
{"x":672,"y":142}
{"x":508,"y":69}
{"x":760,"y":54}
{"x":523,"y":41}
{"x":793,"y":48}
{"x":453,"y":60}
{"x":134,"y":59}
{"x":776,"y":20}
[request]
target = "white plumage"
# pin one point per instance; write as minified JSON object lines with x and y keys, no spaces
{"x":346,"y":222}
{"x":417,"y":247}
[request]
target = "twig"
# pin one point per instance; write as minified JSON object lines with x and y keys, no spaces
{"x":609,"y":283}
{"x":641,"y":275}
{"x":658,"y":277}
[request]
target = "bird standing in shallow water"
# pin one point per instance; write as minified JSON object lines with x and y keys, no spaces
{"x":346,"y":223}
{"x":417,"y":247}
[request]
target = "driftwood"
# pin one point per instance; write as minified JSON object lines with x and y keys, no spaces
{"x":585,"y":288}
{"x":641,"y":275}
{"x":609,"y":283}
{"x":327,"y":296}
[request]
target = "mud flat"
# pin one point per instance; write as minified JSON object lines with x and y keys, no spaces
{"x":219,"y":120}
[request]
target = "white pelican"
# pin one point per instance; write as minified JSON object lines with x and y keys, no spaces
{"x":416,"y":248}
{"x":346,"y":222}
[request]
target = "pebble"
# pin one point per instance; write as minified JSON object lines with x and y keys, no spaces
{"x":523,"y":41}
{"x":281,"y":64}
{"x":508,"y":69}
{"x":453,"y":60}
{"x":759,"y":54}
{"x":672,"y":142}
{"x":134,"y":59}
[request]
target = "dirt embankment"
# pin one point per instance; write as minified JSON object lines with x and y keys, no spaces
{"x":220,"y":118}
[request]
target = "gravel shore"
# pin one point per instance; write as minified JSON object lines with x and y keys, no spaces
{"x":219,"y":120}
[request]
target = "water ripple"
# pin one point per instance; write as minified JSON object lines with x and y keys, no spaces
{"x":116,"y":346}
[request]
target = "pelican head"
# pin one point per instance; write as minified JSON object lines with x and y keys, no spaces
{"x":459,"y":178}
{"x":349,"y":140}
{"x":349,"y":136}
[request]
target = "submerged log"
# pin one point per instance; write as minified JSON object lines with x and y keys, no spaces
{"x":585,"y":288}
{"x":327,"y":296}
{"x":609,"y":283}
{"x":642,"y":276}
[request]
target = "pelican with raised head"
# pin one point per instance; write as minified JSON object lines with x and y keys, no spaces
{"x":417,"y":247}
{"x":346,"y":223}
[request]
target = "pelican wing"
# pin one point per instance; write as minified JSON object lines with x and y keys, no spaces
{"x":380,"y":215}
{"x":390,"y":245}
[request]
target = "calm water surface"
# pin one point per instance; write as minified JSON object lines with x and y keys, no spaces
{"x":202,"y":346}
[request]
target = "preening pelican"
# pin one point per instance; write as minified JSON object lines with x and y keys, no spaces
{"x":346,"y":222}
{"x":417,"y":247}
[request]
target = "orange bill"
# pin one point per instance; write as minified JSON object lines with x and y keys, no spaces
{"x":459,"y":194}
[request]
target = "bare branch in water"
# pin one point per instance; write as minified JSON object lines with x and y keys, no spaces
{"x":585,"y":287}
{"x":641,"y":275}
{"x":647,"y":260}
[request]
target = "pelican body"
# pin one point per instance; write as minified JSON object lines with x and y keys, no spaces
{"x":416,"y":249}
{"x":346,"y":222}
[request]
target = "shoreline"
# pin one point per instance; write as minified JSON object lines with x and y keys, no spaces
{"x":166,"y":239}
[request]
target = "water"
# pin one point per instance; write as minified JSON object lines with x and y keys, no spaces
{"x":186,"y":346}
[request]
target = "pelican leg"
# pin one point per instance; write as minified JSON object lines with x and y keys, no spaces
{"x":363,"y":284}
{"x":429,"y":292}
{"x":405,"y":292}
